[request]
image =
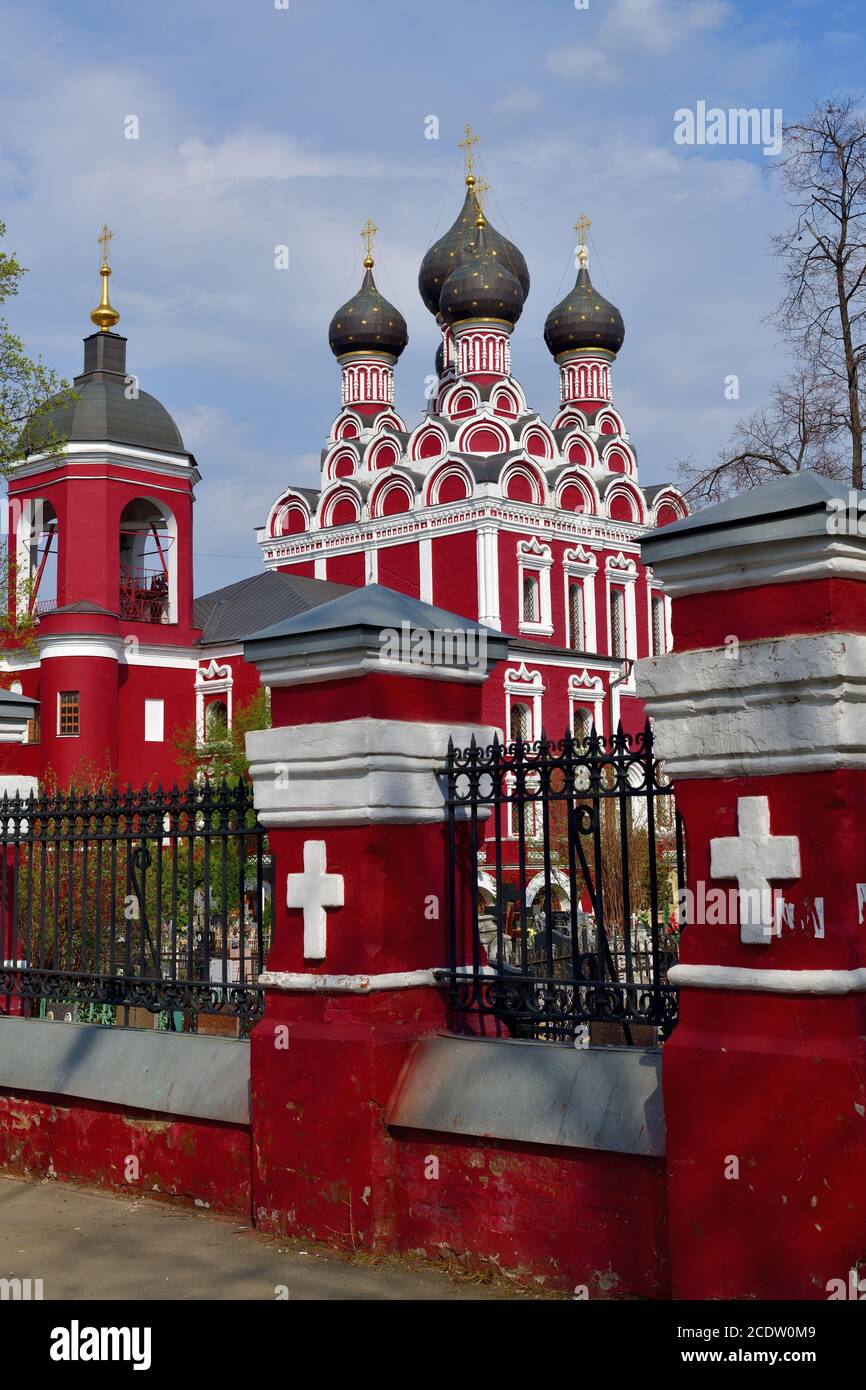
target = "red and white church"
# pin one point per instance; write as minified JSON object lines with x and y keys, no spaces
{"x":482,"y":509}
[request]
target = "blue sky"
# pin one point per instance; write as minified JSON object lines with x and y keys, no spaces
{"x":261,"y":126}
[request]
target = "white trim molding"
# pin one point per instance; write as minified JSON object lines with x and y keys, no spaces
{"x":300,"y":982}
{"x":769,"y":981}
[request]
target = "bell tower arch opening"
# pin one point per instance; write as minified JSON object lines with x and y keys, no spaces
{"x":148,"y":562}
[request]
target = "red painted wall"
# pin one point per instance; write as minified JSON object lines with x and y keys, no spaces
{"x":455,"y":574}
{"x":566,"y":1217}
{"x":84,"y":1141}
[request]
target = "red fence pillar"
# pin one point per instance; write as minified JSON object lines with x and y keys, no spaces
{"x":366,"y":691}
{"x":758,"y":716}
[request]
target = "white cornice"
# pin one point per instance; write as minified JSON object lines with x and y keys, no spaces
{"x":790,"y":704}
{"x":357,"y":772}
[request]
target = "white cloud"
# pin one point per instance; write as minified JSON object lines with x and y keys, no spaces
{"x":580,"y":61}
{"x":631,"y":29}
{"x":520,"y":101}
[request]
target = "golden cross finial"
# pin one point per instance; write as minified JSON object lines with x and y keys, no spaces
{"x":481,"y":187}
{"x":368,"y":231}
{"x":105,"y":316}
{"x":104,"y":240}
{"x":466,"y":145}
{"x":582,"y":226}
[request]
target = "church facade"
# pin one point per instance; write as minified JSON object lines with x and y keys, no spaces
{"x":483,"y":509}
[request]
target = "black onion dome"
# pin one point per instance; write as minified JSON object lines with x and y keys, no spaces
{"x":368,"y":323}
{"x":584,"y":319}
{"x":444,"y":254}
{"x":481,"y":287}
{"x":440,"y":359}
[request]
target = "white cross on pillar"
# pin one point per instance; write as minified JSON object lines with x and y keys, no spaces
{"x":755,"y":858}
{"x":315,"y":891}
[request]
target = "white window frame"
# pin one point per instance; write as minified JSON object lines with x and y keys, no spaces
{"x":621,"y":573}
{"x":583,"y":690}
{"x":522,"y":687}
{"x":654,"y":591}
{"x":581,"y":564}
{"x":212,"y":679}
{"x":536,"y":559}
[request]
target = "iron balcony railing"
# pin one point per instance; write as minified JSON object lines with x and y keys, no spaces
{"x":153,"y":900}
{"x":144,"y":596}
{"x":565,"y":864}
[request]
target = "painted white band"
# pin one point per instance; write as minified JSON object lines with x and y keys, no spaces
{"x":720,"y":563}
{"x":790,"y":704}
{"x":769,"y":981}
{"x":300,"y":982}
{"x":357,"y":772}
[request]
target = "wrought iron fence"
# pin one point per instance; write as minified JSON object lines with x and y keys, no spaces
{"x":140,"y":900}
{"x":144,"y":595}
{"x":581,"y":849}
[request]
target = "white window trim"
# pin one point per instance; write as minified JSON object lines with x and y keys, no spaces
{"x":582,"y":564}
{"x":536,"y":559}
{"x":653,"y":591}
{"x":68,"y":692}
{"x":584,"y":689}
{"x":522,"y":687}
{"x":621,"y":573}
{"x":212,"y":679}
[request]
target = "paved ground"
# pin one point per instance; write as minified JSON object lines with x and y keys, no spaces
{"x":91,"y":1245}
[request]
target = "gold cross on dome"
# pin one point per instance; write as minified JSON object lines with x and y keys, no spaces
{"x":104,"y":240}
{"x":481,"y":187}
{"x":368,"y":231}
{"x":582,"y":226}
{"x":466,"y":145}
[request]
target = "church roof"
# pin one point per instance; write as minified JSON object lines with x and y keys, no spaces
{"x":231,"y":613}
{"x":104,"y":408}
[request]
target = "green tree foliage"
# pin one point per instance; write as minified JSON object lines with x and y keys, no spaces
{"x":222,"y":751}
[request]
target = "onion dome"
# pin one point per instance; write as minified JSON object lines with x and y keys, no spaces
{"x":584,"y":318}
{"x":367,"y":322}
{"x":444,"y":254}
{"x":439,"y":363}
{"x":481,"y":286}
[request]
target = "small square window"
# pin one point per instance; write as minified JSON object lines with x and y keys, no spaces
{"x":68,"y":714}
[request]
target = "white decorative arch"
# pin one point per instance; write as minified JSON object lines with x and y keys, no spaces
{"x":536,"y":886}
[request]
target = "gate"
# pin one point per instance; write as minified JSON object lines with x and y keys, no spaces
{"x":581,"y":849}
{"x":139,"y":900}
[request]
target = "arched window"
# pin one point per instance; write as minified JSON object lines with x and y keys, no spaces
{"x":38,"y":542}
{"x":521,"y":723}
{"x":531,"y":599}
{"x":216,"y":719}
{"x":575,"y":615}
{"x":147,"y":563}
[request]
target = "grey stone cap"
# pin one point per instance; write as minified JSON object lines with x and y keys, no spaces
{"x":788,"y":509}
{"x":606,"y":1098}
{"x":356,"y":617}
